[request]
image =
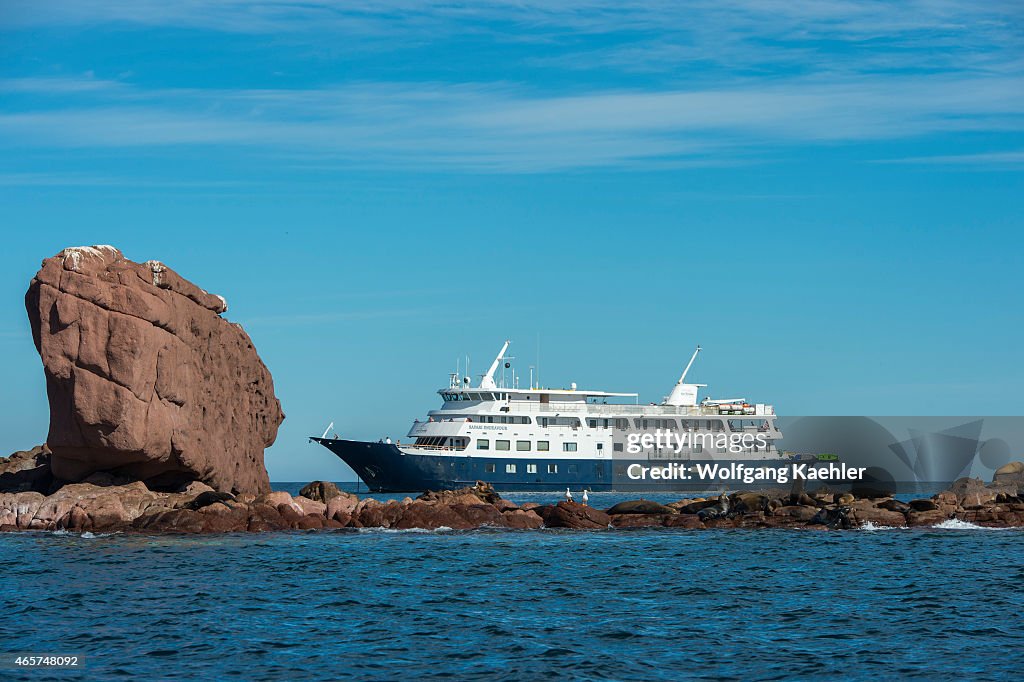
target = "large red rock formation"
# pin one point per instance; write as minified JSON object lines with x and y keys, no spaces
{"x":144,"y":377}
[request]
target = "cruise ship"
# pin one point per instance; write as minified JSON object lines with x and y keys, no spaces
{"x":537,"y":438}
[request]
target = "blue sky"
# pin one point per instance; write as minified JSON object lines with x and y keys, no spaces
{"x":826,"y":195}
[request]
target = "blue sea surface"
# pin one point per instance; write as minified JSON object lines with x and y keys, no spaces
{"x":934,"y":603}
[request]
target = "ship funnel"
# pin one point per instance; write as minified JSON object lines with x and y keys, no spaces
{"x":487,"y":381}
{"x":682,"y":393}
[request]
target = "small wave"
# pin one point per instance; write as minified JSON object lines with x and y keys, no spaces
{"x":439,"y":529}
{"x":88,"y":535}
{"x":871,"y":526}
{"x":957,"y":524}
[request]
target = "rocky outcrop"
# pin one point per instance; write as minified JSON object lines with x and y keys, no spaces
{"x":573,"y":515}
{"x":107,"y":505}
{"x":321,"y":491}
{"x":1011,"y":474}
{"x":479,"y":493}
{"x":144,"y":377}
{"x":26,"y":470}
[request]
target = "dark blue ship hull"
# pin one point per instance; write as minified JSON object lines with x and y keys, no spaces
{"x":385,"y":468}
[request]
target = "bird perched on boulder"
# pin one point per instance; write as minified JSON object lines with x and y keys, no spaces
{"x":568,"y":495}
{"x":586,"y":498}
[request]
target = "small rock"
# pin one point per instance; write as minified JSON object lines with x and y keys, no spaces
{"x":573,"y":515}
{"x":523,"y":519}
{"x":309,"y":506}
{"x":320,"y":491}
{"x":196,"y":488}
{"x":641,"y":520}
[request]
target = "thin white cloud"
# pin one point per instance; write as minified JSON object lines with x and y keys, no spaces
{"x":501,"y":127}
{"x":735,"y":80}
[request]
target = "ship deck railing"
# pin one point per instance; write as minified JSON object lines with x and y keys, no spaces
{"x":639,"y":410}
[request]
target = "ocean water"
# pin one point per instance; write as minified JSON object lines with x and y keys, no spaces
{"x":936,"y":603}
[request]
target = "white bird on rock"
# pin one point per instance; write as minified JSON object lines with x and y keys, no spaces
{"x":586,"y":498}
{"x":568,"y":495}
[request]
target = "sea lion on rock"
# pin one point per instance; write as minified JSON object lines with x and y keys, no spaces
{"x":696,"y":505}
{"x":835,"y":517}
{"x":716,"y":511}
{"x":208,"y":498}
{"x":750,"y":502}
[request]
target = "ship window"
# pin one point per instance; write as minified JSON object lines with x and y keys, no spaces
{"x":483,"y":444}
{"x":531,"y":468}
{"x":543,"y":446}
{"x":522,"y":445}
{"x":698,"y":447}
{"x":600,"y":446}
{"x":617,"y":447}
{"x":489,"y":468}
{"x":501,"y":445}
{"x":592,"y":423}
{"x":569,"y":447}
{"x":552,"y":468}
{"x":572,"y":468}
{"x":510,"y":468}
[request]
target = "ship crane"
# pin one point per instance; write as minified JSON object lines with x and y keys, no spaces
{"x":487,"y":380}
{"x":682,"y":393}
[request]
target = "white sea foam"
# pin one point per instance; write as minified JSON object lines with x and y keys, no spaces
{"x":88,"y":535}
{"x":440,"y":529}
{"x":870,"y":526}
{"x":957,"y":524}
